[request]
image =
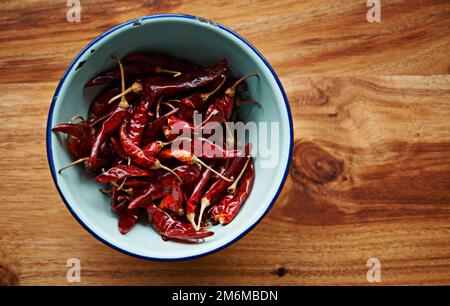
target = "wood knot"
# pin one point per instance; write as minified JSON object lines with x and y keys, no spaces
{"x":314,"y":164}
{"x":8,"y":277}
{"x":281,"y":272}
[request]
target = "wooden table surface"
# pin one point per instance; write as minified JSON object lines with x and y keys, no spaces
{"x":370,"y":175}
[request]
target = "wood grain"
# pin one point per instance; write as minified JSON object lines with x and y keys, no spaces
{"x":370,"y":175}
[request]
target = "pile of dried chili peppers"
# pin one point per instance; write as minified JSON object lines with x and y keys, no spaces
{"x":128,"y":140}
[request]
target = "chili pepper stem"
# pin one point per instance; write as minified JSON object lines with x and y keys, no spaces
{"x":232,"y":188}
{"x":121,"y":185}
{"x":71,"y":120}
{"x":73,"y":164}
{"x":208,"y":225}
{"x":232,"y":90}
{"x":229,"y":134}
{"x":204,"y":203}
{"x":123,"y":101}
{"x":195,"y":159}
{"x":136,"y":87}
{"x":171,"y":171}
{"x":159,"y":69}
{"x":201,"y":123}
{"x":239,"y":102}
{"x":169,"y":105}
{"x":180,"y":212}
{"x":129,"y":190}
{"x":191,"y":218}
{"x":205,"y":96}
{"x":158,"y":107}
{"x":105,"y":191}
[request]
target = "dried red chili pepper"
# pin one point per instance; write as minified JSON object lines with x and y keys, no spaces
{"x":214,"y":117}
{"x":151,"y":132}
{"x":170,"y":87}
{"x":151,"y":193}
{"x":162,"y":186}
{"x":226,"y":103}
{"x":128,"y":219}
{"x":216,"y":212}
{"x":197,"y":100}
{"x":218,"y":188}
{"x":194,"y":199}
{"x":79,"y":137}
{"x":104,"y":159}
{"x":232,"y":188}
{"x":139,"y":119}
{"x":121,"y":172}
{"x":206,"y":150}
{"x":110,"y":126}
{"x":175,"y":127}
{"x":79,"y":142}
{"x":187,"y":173}
{"x":187,"y":82}
{"x":227,"y":210}
{"x":153,"y":148}
{"x":100,"y":106}
{"x":163,"y":60}
{"x":211,"y":150}
{"x":118,"y":201}
{"x":137,"y":155}
{"x":131,"y":70}
{"x":171,"y":228}
{"x":139,"y":183}
{"x":117,"y":147}
{"x":173,"y":203}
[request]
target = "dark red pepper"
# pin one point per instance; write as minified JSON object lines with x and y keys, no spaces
{"x":128,"y":219}
{"x":79,"y":137}
{"x":160,"y":87}
{"x":139,"y":119}
{"x":173,"y":202}
{"x":227,"y":210}
{"x":109,"y":127}
{"x":162,"y":186}
{"x":151,"y":132}
{"x":194,"y":199}
{"x":153,"y":148}
{"x":171,"y":228}
{"x":121,"y":172}
{"x":100,"y":106}
{"x":163,"y":60}
{"x":131,"y":70}
{"x":117,"y":147}
{"x":135,"y":153}
{"x":186,"y":82}
{"x":218,"y":188}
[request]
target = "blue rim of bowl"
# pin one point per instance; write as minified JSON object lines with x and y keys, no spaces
{"x":55,"y":97}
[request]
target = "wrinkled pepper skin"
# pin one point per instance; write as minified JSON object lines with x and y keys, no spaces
{"x":228,"y":208}
{"x":120,"y":172}
{"x":171,"y":228}
{"x":164,"y":87}
{"x":111,"y":125}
